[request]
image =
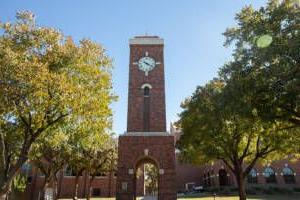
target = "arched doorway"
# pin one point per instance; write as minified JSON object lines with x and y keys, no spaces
{"x":223,"y":179}
{"x":146,"y":179}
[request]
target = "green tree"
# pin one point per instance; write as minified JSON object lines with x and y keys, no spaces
{"x":47,"y":81}
{"x":251,"y":112}
{"x":151,"y":179}
{"x":266,"y":60}
{"x":213,"y":131}
{"x":101,"y":160}
{"x":49,"y":155}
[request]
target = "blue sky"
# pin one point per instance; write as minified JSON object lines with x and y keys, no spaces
{"x":192,"y":30}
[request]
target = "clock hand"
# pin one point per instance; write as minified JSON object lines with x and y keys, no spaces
{"x":148,"y":64}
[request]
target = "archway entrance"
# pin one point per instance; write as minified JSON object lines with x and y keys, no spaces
{"x":136,"y":151}
{"x":146,"y":180}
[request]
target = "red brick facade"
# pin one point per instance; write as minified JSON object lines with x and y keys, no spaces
{"x":101,"y":186}
{"x":157,"y":93}
{"x":136,"y":150}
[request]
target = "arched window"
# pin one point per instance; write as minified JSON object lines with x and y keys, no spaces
{"x":269,"y":174}
{"x":288,"y":175}
{"x":146,"y":91}
{"x":252,"y":176}
{"x":68,"y":171}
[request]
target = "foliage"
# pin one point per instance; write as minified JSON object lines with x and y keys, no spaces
{"x":151,"y":178}
{"x":265,"y":68}
{"x":251,"y":111}
{"x":19,"y":183}
{"x":48,"y":84}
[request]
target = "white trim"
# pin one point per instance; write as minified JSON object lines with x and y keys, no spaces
{"x":130,"y":171}
{"x":146,"y":85}
{"x":161,"y":171}
{"x":146,"y":40}
{"x":146,"y":134}
{"x":146,"y":152}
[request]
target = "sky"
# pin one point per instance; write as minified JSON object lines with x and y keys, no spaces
{"x":191,"y":29}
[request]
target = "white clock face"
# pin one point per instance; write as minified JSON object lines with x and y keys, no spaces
{"x":146,"y":64}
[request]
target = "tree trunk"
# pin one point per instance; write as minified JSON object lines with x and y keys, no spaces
{"x":5,"y":195}
{"x":76,"y":187}
{"x":89,"y":187}
{"x":61,"y":176}
{"x":55,"y":187}
{"x":86,"y":177}
{"x":43,"y":193}
{"x":240,"y":179}
{"x":4,"y":190}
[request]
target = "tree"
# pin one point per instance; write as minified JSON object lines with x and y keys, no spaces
{"x":101,"y":160}
{"x":47,"y":81}
{"x":267,"y":59}
{"x":91,"y":153}
{"x":213,"y":131}
{"x":250,"y":113}
{"x":49,"y":155}
{"x":151,"y":178}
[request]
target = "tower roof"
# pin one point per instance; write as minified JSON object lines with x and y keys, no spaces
{"x":149,"y":40}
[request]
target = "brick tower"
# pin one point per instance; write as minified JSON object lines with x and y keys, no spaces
{"x":146,"y":139}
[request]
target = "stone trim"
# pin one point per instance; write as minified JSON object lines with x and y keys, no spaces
{"x":146,"y":85}
{"x":146,"y":40}
{"x":146,"y":134}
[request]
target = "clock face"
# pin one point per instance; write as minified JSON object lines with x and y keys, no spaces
{"x":146,"y":64}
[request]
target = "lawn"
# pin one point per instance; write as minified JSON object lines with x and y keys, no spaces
{"x":263,"y":197}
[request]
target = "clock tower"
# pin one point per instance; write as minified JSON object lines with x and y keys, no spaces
{"x":146,"y":95}
{"x":146,"y":139}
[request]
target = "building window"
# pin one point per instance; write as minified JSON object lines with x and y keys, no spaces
{"x":26,"y":170}
{"x":101,"y":174}
{"x":146,"y":91}
{"x":269,"y":175}
{"x":69,"y":171}
{"x":288,"y":175}
{"x":252,"y":176}
{"x":146,"y":108}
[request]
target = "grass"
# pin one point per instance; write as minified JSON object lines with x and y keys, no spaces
{"x":257,"y":197}
{"x":260,"y":197}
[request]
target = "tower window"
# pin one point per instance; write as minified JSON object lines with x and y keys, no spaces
{"x":146,"y":109}
{"x":146,"y":91}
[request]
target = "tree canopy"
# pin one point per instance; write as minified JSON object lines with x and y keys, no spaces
{"x":49,"y":83}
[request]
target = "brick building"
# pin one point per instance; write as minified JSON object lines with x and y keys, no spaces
{"x":281,"y":173}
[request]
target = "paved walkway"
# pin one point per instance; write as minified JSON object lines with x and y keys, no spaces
{"x":147,"y":198}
